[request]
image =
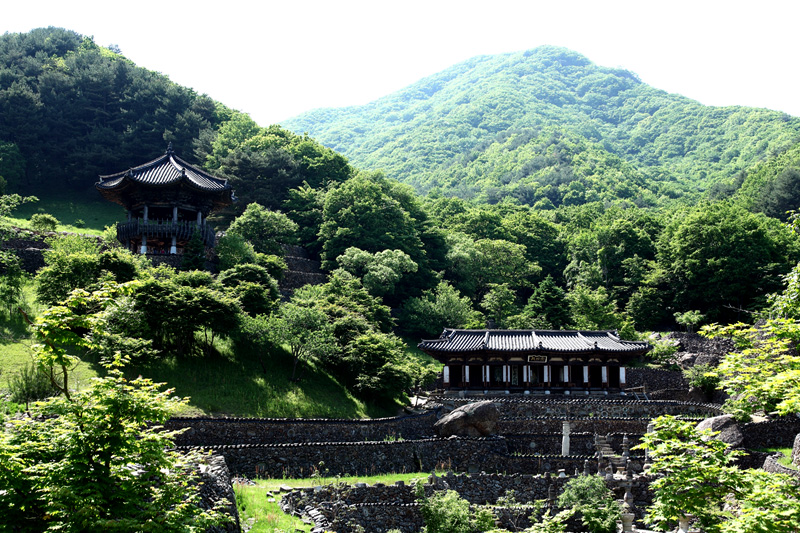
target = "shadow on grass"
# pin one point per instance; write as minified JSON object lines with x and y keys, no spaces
{"x":227,"y":385}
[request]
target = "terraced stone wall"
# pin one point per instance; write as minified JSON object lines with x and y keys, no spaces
{"x":380,"y":508}
{"x":330,"y":459}
{"x":358,"y":458}
{"x":228,"y":431}
{"x":779,"y":433}
{"x":586,"y":407}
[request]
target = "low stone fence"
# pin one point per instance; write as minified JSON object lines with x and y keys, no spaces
{"x":577,"y":407}
{"x":228,"y":431}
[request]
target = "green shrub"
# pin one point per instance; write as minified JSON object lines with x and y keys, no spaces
{"x":44,"y":222}
{"x":594,"y":501}
{"x":703,"y":377}
{"x":31,"y":384}
{"x":447,"y":512}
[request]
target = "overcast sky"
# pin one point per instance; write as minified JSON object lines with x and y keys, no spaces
{"x":275,"y":60}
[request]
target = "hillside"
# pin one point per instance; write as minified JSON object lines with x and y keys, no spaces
{"x":431,"y":133}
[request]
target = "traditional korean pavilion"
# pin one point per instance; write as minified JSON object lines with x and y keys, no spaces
{"x":167,"y":201}
{"x":525,"y":360}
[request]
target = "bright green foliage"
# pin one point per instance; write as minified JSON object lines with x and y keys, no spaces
{"x":548,"y":306}
{"x":718,"y":255}
{"x":266,"y":230}
{"x":305,"y":330}
{"x":786,"y":304}
{"x":379,"y":272}
{"x":442,"y":307}
{"x":72,"y":262}
{"x":61,"y":328}
{"x":499,"y":303}
{"x":255,"y":289}
{"x":233,"y":249}
{"x":698,"y":480}
{"x":95,"y":459}
{"x":364,"y":212}
{"x":175,"y":310}
{"x":374,"y":364}
{"x":702,"y":376}
{"x":263,"y":164}
{"x":9,"y":202}
{"x":763,"y":374}
{"x":476,"y":264}
{"x":696,"y":474}
{"x":30,"y":384}
{"x":97,"y":462}
{"x":592,"y":309}
{"x":81,"y":266}
{"x":44,"y":222}
{"x":447,"y":512}
{"x":690,"y":320}
{"x":590,"y":496}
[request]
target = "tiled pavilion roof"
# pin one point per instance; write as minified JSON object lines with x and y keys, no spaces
{"x":166,"y":170}
{"x":530,"y":342}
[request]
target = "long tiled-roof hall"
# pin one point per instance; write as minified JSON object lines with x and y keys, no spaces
{"x":566,"y":361}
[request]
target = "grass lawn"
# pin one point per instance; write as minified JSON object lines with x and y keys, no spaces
{"x":237,"y":385}
{"x":79,"y":212}
{"x":267,"y":517}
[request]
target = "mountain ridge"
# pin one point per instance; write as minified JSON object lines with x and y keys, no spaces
{"x":424,"y":129}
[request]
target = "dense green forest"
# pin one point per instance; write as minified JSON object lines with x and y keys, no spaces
{"x":559,"y":194}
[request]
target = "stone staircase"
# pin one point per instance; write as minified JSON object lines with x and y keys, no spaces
{"x":607,"y":453}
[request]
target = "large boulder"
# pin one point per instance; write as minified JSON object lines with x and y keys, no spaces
{"x":728,"y":429}
{"x":477,"y":419}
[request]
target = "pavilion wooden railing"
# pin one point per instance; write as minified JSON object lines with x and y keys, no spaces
{"x":183,"y":230}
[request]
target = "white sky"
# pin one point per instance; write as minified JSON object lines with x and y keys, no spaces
{"x":276,"y":59}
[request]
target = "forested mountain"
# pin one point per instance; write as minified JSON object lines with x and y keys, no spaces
{"x":541,"y":170}
{"x":547,"y":124}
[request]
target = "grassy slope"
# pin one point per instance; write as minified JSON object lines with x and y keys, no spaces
{"x":225,"y":384}
{"x":70,"y":207}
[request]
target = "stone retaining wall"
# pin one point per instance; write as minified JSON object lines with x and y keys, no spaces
{"x":577,"y":407}
{"x":359,"y":458}
{"x":329,"y":459}
{"x":600,"y":426}
{"x":778,"y":433}
{"x":228,"y":431}
{"x":379,"y":508}
{"x":655,"y":379}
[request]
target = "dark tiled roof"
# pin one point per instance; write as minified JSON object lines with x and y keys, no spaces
{"x":166,"y":170}
{"x":530,"y":341}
